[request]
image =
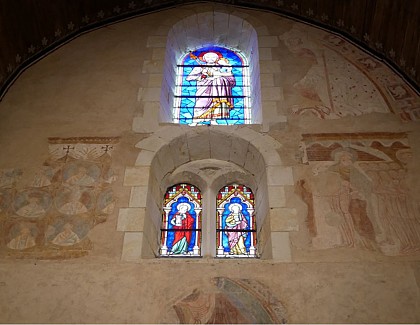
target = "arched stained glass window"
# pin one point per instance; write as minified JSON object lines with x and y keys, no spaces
{"x":235,"y":225}
{"x":181,"y":222}
{"x":212,"y":87}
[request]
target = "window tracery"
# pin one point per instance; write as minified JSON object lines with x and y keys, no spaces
{"x":181,"y":233}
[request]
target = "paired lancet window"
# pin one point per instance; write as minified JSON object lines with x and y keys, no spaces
{"x":234,"y":221}
{"x":212,"y":87}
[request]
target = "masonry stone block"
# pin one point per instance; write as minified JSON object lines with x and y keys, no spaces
{"x":155,"y":79}
{"x":280,"y":242}
{"x":158,"y":53}
{"x":130,"y":219}
{"x":267,"y":80}
{"x":145,"y":158}
{"x":138,"y":197}
{"x":247,"y":134}
{"x":272,"y":93}
{"x":220,"y":146}
{"x":136,"y":176}
{"x":132,"y":247}
{"x":265,"y":53}
{"x":152,"y":143}
{"x":178,"y":149}
{"x":283,"y":219}
{"x":239,"y":150}
{"x":272,"y":66}
{"x":280,"y":175}
{"x":268,"y":41}
{"x":152,"y":66}
{"x":171,"y":132}
{"x":156,"y":41}
{"x":151,"y":94}
{"x":198,"y":146}
{"x":276,"y":196}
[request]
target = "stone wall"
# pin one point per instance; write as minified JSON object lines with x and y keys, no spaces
{"x":88,"y":149}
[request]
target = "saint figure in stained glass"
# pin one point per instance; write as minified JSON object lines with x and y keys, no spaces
{"x":212,"y":88}
{"x":181,"y":224}
{"x":235,"y":222}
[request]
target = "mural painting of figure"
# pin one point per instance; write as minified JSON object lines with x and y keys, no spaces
{"x":81,"y":178}
{"x":23,"y":240}
{"x":214,"y":81}
{"x":32,"y":208}
{"x":399,"y":214}
{"x":337,"y":201}
{"x":75,"y":202}
{"x":67,"y":237}
{"x":182,"y":222}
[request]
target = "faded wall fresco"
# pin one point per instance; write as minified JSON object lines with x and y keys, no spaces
{"x":233,"y":301}
{"x":51,"y":217}
{"x":341,"y":80}
{"x":355,"y":188}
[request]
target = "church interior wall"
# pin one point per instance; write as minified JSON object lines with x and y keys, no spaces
{"x":331,"y":157}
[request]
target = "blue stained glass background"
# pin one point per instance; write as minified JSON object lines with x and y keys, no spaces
{"x":189,"y":88}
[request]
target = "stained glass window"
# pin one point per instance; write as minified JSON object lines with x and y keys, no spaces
{"x":181,"y":222}
{"x":235,"y":225}
{"x":212,"y":87}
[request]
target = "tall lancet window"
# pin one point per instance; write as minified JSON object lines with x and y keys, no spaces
{"x":212,"y":87}
{"x":235,"y":224}
{"x":181,"y":222}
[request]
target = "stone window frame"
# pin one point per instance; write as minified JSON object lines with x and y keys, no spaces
{"x":136,"y":221}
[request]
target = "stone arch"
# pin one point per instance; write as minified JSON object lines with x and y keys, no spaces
{"x":252,"y":156}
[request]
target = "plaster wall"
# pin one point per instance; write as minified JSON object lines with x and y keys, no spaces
{"x":319,"y":93}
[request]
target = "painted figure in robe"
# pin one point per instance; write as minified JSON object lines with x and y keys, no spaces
{"x":67,"y":237}
{"x":180,"y":221}
{"x":214,"y":87}
{"x":23,"y":240}
{"x":236,"y":221}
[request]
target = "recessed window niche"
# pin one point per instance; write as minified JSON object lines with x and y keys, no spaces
{"x":211,"y":30}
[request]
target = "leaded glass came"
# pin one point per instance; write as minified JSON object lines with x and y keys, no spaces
{"x":212,"y":87}
{"x":181,"y":222}
{"x":235,"y":225}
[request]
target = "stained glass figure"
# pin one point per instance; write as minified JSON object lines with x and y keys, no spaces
{"x":235,"y":225}
{"x":181,"y":222}
{"x":212,"y":88}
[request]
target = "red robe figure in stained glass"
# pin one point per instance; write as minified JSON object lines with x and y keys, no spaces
{"x":181,"y":221}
